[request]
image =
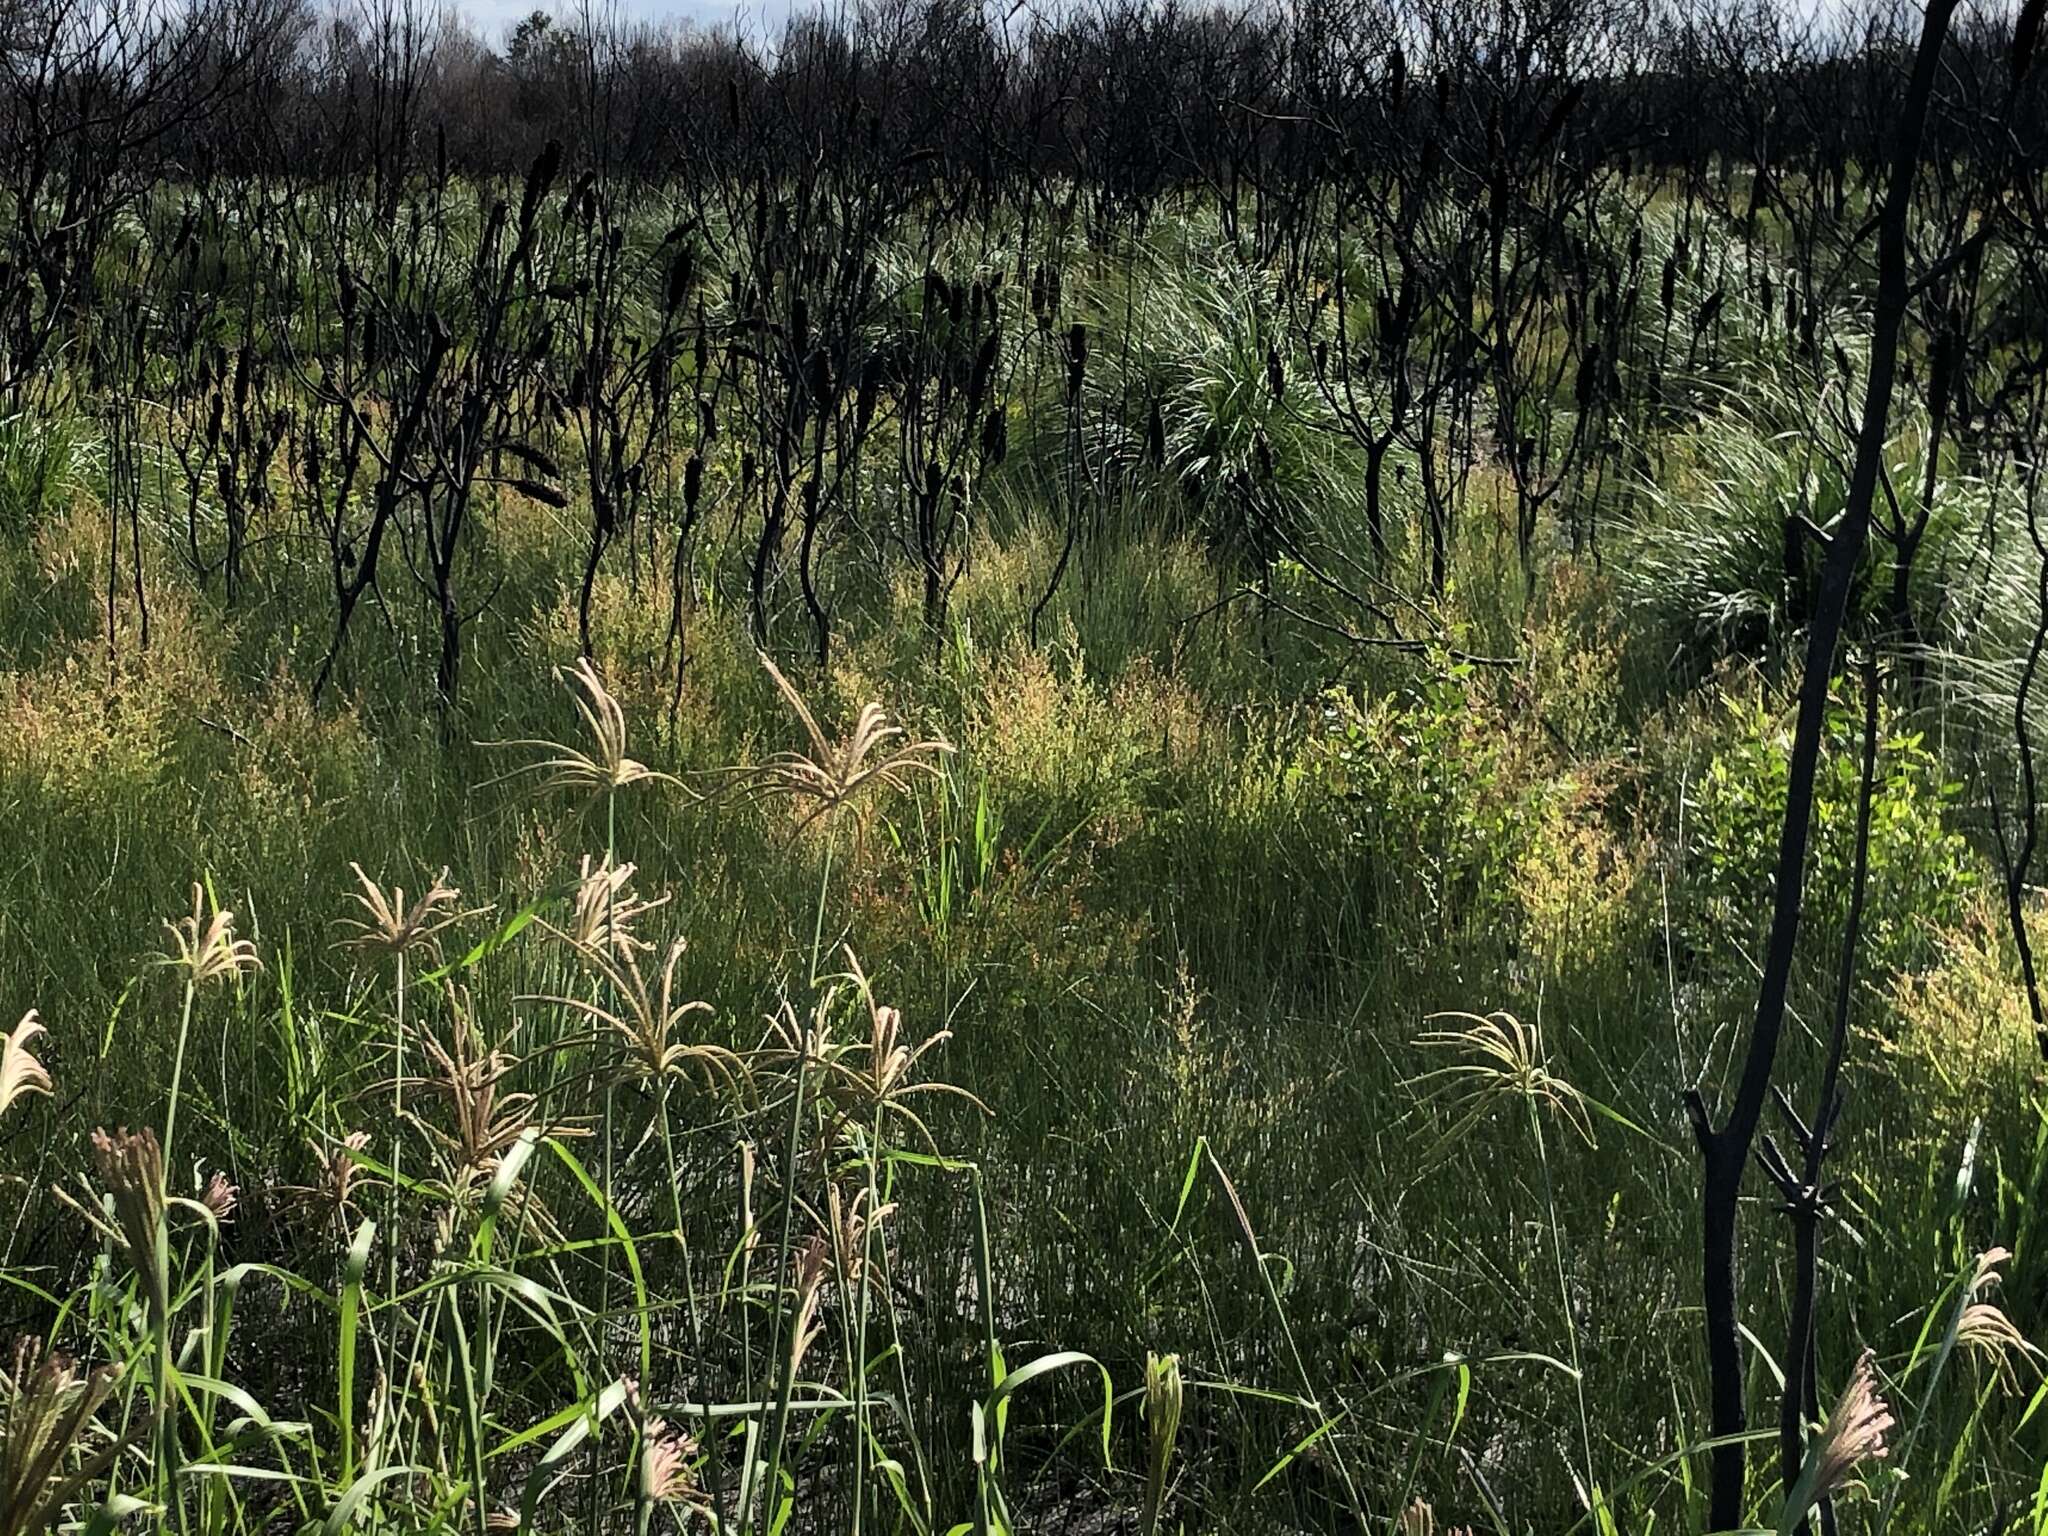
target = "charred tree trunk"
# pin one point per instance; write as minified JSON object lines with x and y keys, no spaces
{"x":1725,"y":1151}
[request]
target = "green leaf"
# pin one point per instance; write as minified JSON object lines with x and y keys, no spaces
{"x":588,"y":1416}
{"x":350,"y":1504}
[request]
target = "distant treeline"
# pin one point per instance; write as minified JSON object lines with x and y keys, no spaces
{"x":1140,"y":100}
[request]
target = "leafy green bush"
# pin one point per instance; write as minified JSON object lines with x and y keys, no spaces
{"x":1920,"y":870}
{"x":1432,"y":793}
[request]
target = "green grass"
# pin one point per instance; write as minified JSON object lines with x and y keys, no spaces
{"x":1175,"y":915}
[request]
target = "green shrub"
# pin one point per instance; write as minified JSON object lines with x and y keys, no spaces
{"x":1920,"y":869}
{"x":1434,"y":801}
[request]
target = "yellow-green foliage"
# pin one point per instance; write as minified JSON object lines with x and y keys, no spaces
{"x":1958,"y":1034}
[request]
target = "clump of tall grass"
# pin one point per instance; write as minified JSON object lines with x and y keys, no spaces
{"x":1722,"y":557}
{"x":42,"y":458}
{"x":489,"y":1334}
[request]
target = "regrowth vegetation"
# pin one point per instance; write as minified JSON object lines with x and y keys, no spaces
{"x":1144,"y":769}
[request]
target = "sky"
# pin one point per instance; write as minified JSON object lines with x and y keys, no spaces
{"x":494,"y":19}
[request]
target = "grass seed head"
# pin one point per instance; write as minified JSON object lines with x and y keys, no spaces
{"x":832,"y":774}
{"x":606,"y":908}
{"x":668,"y":1458}
{"x":220,"y":1197}
{"x":50,"y":1444}
{"x":1504,"y":1061}
{"x":606,"y":767}
{"x":1854,"y":1433}
{"x":484,"y":1121}
{"x":1163,"y":1400}
{"x":1163,"y":1394}
{"x":131,"y":1167}
{"x":1986,"y":1332}
{"x":852,"y":1223}
{"x":333,"y":1195}
{"x":204,"y":945}
{"x":883,"y":1084}
{"x":750,"y":1227}
{"x":647,"y":1015}
{"x":810,"y":1268}
{"x":20,"y":1073}
{"x":390,"y":927}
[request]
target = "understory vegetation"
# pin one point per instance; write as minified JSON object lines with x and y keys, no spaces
{"x":829,"y":841}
